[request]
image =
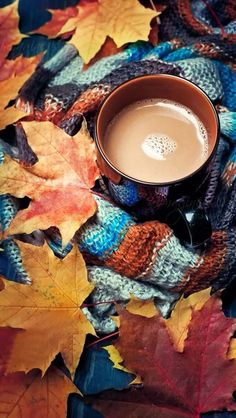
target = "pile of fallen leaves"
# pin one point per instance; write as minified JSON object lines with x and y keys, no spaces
{"x":184,"y":365}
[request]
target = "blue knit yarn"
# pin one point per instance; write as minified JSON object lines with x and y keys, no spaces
{"x":115,"y":224}
{"x":138,"y":50}
{"x":181,"y":54}
{"x":8,"y":209}
{"x":126,"y":193}
{"x":228,"y":80}
{"x":161,"y":50}
{"x":228,"y":124}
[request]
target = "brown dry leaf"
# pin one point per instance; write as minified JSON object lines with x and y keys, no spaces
{"x":145,"y":308}
{"x":28,"y":395}
{"x":9,"y":29}
{"x":58,"y":184}
{"x":48,"y":311}
{"x":123,"y":22}
{"x":181,"y":316}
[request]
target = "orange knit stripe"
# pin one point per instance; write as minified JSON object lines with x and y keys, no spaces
{"x":202,"y":276}
{"x":136,"y":250}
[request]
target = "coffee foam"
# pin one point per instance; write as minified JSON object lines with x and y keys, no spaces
{"x":162,"y":140}
{"x":158,"y":146}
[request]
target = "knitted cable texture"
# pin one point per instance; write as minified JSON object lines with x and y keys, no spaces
{"x":125,"y":256}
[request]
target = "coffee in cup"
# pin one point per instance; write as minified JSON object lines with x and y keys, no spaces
{"x":156,"y":140}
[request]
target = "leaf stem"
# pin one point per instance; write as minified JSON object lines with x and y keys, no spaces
{"x":103,"y":339}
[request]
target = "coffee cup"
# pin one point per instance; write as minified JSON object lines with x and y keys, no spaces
{"x":172,"y":194}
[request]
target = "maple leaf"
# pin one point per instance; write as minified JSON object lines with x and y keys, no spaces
{"x":176,"y":385}
{"x":58,"y":183}
{"x":107,"y":49}
{"x":13,"y":75}
{"x":145,"y":308}
{"x":117,"y":361}
{"x":48,"y":311}
{"x":123,"y":22}
{"x":181,"y":316}
{"x":9,"y":29}
{"x":7,"y":336}
{"x":59,"y":17}
{"x":28,"y":395}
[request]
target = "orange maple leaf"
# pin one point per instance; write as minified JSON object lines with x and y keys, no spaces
{"x":59,"y":17}
{"x":28,"y":395}
{"x":13,"y":75}
{"x":58,"y":183}
{"x":9,"y":29}
{"x":46,"y":315}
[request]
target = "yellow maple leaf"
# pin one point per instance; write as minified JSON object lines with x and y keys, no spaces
{"x":28,"y":395}
{"x":48,"y":311}
{"x":181,"y":316}
{"x":58,"y":183}
{"x":9,"y":116}
{"x":124,"y":22}
{"x":145,"y":308}
{"x":232,"y":349}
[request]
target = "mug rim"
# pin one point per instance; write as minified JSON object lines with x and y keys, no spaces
{"x":150,"y":183}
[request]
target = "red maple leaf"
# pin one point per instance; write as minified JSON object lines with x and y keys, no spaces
{"x":175,"y":385}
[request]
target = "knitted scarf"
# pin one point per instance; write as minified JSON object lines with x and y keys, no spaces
{"x":125,"y":256}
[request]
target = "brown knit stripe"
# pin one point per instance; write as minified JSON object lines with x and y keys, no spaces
{"x":89,"y":100}
{"x":201,"y":275}
{"x":136,"y":250}
{"x":229,"y":173}
{"x":184,"y":8}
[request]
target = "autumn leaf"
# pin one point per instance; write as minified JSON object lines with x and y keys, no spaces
{"x":28,"y":395}
{"x":58,"y":183}
{"x":7,"y":337}
{"x":232,"y":349}
{"x":13,"y":75}
{"x":107,"y":49}
{"x":145,"y":308}
{"x":181,"y":316}
{"x":59,"y":17}
{"x":48,"y":311}
{"x":123,"y":22}
{"x":9,"y":29}
{"x":117,"y":361}
{"x":9,"y":116}
{"x":175,"y":385}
